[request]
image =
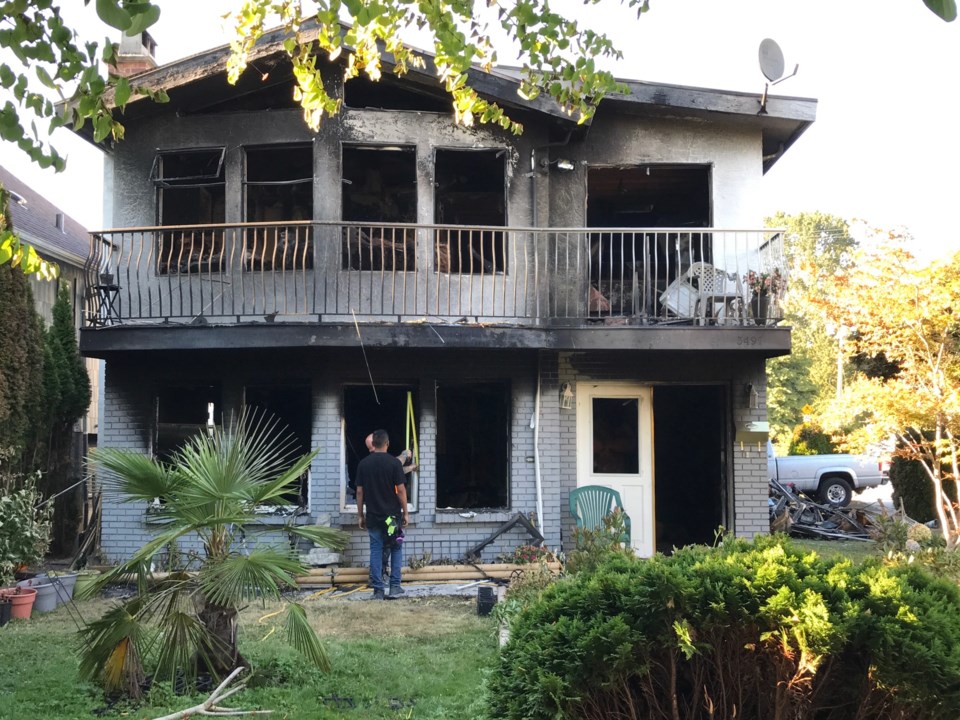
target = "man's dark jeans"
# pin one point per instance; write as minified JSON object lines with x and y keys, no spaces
{"x":378,"y":541}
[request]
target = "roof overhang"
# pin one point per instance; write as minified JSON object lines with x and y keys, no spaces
{"x":782,"y":120}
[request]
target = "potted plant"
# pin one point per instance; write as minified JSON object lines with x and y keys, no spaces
{"x":21,"y":601}
{"x":762,"y":285}
{"x":24,"y":526}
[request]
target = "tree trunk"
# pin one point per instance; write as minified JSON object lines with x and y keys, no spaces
{"x":221,"y":656}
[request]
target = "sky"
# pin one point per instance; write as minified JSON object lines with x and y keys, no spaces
{"x":884,"y":148}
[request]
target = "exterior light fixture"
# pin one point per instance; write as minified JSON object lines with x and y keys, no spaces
{"x":566,"y":396}
{"x":565,"y":165}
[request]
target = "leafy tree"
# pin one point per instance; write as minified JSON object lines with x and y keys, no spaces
{"x":21,"y":372}
{"x":816,"y":245}
{"x":66,"y":398}
{"x":188,"y":622}
{"x":910,"y":314}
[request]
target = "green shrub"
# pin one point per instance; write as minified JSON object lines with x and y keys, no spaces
{"x":810,"y":439}
{"x":24,"y":528}
{"x":745,"y":630}
{"x":911,"y":485}
{"x":593,"y":546}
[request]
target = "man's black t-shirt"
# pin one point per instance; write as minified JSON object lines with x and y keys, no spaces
{"x":379,"y":474}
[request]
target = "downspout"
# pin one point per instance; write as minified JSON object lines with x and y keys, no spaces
{"x":535,"y":424}
{"x":535,"y":420}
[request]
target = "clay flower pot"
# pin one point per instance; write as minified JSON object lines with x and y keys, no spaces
{"x":21,"y":601}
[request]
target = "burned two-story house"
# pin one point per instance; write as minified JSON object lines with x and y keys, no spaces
{"x":534,"y":313}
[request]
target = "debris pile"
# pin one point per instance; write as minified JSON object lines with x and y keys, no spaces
{"x":792,"y":512}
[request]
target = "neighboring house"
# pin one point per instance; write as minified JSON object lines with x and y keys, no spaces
{"x":547,"y":308}
{"x":61,"y":239}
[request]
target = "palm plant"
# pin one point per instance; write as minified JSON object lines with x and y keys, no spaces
{"x":186,"y":622}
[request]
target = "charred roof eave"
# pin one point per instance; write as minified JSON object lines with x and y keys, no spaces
{"x":784,"y":119}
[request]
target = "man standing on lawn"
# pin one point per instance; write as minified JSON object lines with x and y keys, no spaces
{"x":381,"y":488}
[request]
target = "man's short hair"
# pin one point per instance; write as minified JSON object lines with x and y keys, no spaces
{"x":380,"y":439}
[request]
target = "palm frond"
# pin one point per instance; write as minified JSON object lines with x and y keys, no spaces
{"x":269,"y":491}
{"x":235,"y":578}
{"x":180,"y":641}
{"x":323,"y":536}
{"x":114,"y":647}
{"x":304,"y":638}
{"x":136,"y":475}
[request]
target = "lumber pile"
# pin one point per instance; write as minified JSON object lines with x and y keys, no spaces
{"x":320,"y":577}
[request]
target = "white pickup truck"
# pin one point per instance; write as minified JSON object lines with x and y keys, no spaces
{"x":830,"y":478}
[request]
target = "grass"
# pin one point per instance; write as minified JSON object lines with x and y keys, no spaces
{"x":855,"y":550}
{"x":417,"y":658}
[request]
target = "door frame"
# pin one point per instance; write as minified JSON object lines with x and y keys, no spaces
{"x":643,"y":523}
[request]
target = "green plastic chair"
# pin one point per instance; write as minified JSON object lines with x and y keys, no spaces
{"x":590,"y":504}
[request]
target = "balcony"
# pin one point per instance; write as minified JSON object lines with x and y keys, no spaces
{"x":329,"y":273}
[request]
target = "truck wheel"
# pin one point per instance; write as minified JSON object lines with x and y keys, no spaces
{"x":835,"y":491}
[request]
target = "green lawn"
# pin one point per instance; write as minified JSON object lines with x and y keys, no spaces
{"x":855,"y":550}
{"x":405,"y":659}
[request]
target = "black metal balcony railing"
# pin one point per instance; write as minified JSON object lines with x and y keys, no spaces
{"x":330,"y":272}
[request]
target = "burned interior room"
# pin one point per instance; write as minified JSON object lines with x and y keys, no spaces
{"x":473,"y":445}
{"x":386,"y":407}
{"x":287,"y":409}
{"x":278,"y":186}
{"x":629,"y":268}
{"x":379,"y":188}
{"x":689,"y":459}
{"x":191,"y":190}
{"x":470,"y":191}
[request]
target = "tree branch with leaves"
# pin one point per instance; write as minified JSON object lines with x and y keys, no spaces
{"x":910,"y":315}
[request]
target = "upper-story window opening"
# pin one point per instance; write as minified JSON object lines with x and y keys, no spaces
{"x":379,"y":188}
{"x":470,"y":191}
{"x":278,"y":187}
{"x":634,"y":202}
{"x":191,"y":190}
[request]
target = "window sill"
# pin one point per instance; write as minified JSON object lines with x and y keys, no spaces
{"x":261,"y":519}
{"x":461,"y":517}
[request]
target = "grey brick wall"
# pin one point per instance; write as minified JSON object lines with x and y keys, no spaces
{"x":129,"y":419}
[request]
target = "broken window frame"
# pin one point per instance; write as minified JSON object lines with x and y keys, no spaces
{"x":484,"y":460}
{"x":454,"y":251}
{"x":285,"y":427}
{"x":648,"y":257}
{"x":385,"y":245}
{"x":348,"y":501}
{"x":209,"y":393}
{"x":204,"y":247}
{"x":278,"y":247}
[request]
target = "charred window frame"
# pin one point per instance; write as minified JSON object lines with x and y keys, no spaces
{"x":183,"y":412}
{"x":470,"y":191}
{"x":191,"y":191}
{"x":364,"y":411}
{"x":473,"y":446}
{"x":278,"y":187}
{"x":379,"y":189}
{"x":290,"y":405}
{"x":645,"y":197}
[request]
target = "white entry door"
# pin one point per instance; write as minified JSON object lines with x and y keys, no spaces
{"x":615,"y":449}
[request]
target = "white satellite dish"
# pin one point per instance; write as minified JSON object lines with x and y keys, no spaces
{"x":771,"y":65}
{"x":771,"y":60}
